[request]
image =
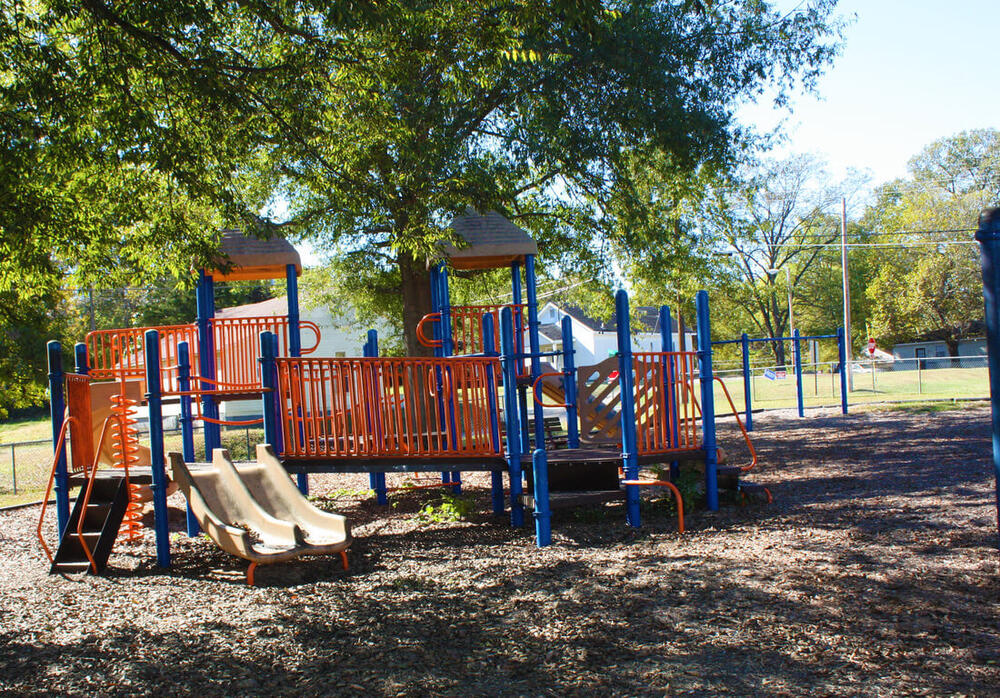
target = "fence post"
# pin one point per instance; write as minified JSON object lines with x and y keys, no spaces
{"x":569,"y":384}
{"x":707,"y":402}
{"x":920,"y":380}
{"x":13,"y":469}
{"x":151,"y":340}
{"x":626,"y":411}
{"x":510,"y":397}
{"x":57,"y":408}
{"x":841,"y":356}
{"x":797,"y":351}
{"x":496,"y":477}
{"x":747,"y":396}
{"x":187,"y":423}
{"x":988,"y":236}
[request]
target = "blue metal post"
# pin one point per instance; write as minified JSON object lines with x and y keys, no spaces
{"x":797,"y":355}
{"x":294,"y":331}
{"x":988,"y":236}
{"x":496,"y":477}
{"x":57,"y":408}
{"x":747,"y":382}
{"x":151,"y":339}
{"x":376,"y":480}
{"x":569,"y":384}
{"x":522,"y":392}
{"x":534,"y":343}
{"x":707,"y":402}
{"x":626,"y":387}
{"x":670,"y":389}
{"x":80,"y":357}
{"x":206,"y":360}
{"x":509,"y":362}
{"x":842,"y":358}
{"x":543,"y":514}
{"x":447,"y":348}
{"x":279,"y":447}
{"x":187,"y":423}
{"x":269,"y":397}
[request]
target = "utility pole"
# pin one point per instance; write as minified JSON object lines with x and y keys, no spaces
{"x":847,"y":295}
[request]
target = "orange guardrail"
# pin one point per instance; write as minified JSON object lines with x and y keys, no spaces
{"x":120,"y":354}
{"x":60,"y":446}
{"x":739,"y":422}
{"x":673,"y":488}
{"x":663,"y":405}
{"x":467,"y":327}
{"x":237,"y":345}
{"x":372,"y":407}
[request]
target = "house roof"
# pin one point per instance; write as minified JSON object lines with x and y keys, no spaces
{"x":492,"y":241}
{"x":253,"y":258}
{"x":271,"y":307}
{"x":648,"y":320}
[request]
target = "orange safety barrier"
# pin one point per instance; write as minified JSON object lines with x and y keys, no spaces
{"x":537,"y":384}
{"x":120,"y":354}
{"x":467,"y":327}
{"x":372,"y":407}
{"x":662,"y":405}
{"x":237,"y":345}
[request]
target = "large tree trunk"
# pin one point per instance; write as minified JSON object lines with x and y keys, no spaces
{"x":416,"y":289}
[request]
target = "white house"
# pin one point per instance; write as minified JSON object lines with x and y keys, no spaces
{"x":595,"y":341}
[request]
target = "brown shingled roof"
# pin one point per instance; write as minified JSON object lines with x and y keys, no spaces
{"x":254,"y":259}
{"x":492,"y":241}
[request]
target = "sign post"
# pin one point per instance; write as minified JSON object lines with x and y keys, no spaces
{"x":871,"y":353}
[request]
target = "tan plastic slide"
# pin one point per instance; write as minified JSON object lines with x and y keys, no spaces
{"x":255,"y":512}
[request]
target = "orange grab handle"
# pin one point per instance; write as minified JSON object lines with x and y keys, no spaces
{"x":535,"y":386}
{"x":60,"y":443}
{"x":746,"y":436}
{"x":421,"y":337}
{"x":673,"y":488}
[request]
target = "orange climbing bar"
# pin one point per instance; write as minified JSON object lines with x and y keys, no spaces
{"x":421,"y":334}
{"x":537,"y":384}
{"x":384,"y":406}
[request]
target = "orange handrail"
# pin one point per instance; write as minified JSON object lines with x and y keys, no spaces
{"x":60,"y":443}
{"x":422,"y":338}
{"x":91,"y":477}
{"x":538,"y":398}
{"x":746,"y":436}
{"x":673,"y":488}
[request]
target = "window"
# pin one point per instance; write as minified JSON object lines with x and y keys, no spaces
{"x":920,"y":353}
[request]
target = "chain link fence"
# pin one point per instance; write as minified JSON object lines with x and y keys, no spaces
{"x":25,"y":466}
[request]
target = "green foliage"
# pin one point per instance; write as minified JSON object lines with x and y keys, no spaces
{"x":690,"y":483}
{"x":448,"y":508}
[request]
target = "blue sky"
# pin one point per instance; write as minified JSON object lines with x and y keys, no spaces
{"x":910,"y":72}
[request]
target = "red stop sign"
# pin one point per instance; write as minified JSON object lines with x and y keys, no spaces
{"x":871,"y":346}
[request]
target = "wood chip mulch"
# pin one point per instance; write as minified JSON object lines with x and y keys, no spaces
{"x":874,"y":572}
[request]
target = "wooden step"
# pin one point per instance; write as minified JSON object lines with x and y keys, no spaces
{"x":70,"y":567}
{"x":568,"y":500}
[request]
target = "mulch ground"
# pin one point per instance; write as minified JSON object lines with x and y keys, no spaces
{"x":875,"y":571}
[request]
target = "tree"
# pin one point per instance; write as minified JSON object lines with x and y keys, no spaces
{"x":368,"y":124}
{"x":929,"y":285}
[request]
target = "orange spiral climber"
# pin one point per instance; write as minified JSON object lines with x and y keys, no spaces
{"x":125,"y":441}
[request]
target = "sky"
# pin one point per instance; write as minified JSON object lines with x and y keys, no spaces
{"x":910,"y":72}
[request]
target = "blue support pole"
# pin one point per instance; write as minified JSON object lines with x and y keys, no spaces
{"x":496,"y":477}
{"x":707,"y":402}
{"x":670,"y":389}
{"x":376,"y":481}
{"x":569,"y":384}
{"x":509,"y":362}
{"x":269,"y":396}
{"x":151,"y":340}
{"x":444,"y":333}
{"x":626,"y":386}
{"x":187,"y":422}
{"x":842,"y":358}
{"x":57,"y":409}
{"x":294,"y":330}
{"x":279,"y":447}
{"x":447,"y":341}
{"x":543,"y":515}
{"x":206,"y":360}
{"x":80,"y":357}
{"x":988,"y":235}
{"x":534,"y":344}
{"x":747,"y":382}
{"x":797,"y":356}
{"x":518,"y":316}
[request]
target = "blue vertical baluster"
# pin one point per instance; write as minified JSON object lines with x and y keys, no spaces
{"x":375,"y":480}
{"x":670,"y":389}
{"x":797,"y":355}
{"x":57,"y":409}
{"x":842,"y":358}
{"x":151,"y":339}
{"x":988,"y":235}
{"x":707,"y":402}
{"x":508,"y":359}
{"x":747,"y":378}
{"x":496,"y":477}
{"x":295,"y":338}
{"x":187,"y":423}
{"x":269,"y":394}
{"x":522,"y":392}
{"x":626,"y":412}
{"x":206,"y":360}
{"x":279,"y":447}
{"x":570,"y":395}
{"x":534,"y":343}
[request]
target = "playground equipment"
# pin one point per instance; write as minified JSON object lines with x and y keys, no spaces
{"x":464,"y":409}
{"x":255,"y":512}
{"x":796,"y":339}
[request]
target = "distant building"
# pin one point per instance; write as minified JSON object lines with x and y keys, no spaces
{"x":933,"y":353}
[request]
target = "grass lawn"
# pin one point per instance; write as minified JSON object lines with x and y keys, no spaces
{"x":20,"y":430}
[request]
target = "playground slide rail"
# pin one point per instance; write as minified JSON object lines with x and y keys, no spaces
{"x":380,"y":407}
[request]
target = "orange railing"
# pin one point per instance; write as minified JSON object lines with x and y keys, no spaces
{"x":664,"y":404}
{"x":467,"y":328}
{"x":120,"y":353}
{"x":743,"y":429}
{"x":372,"y":407}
